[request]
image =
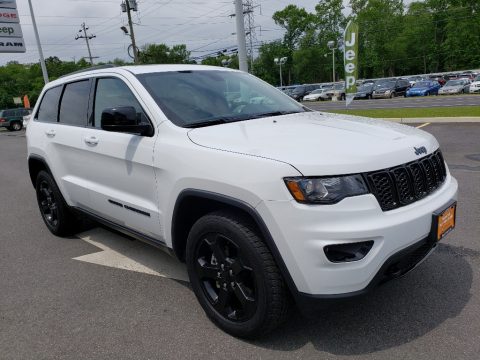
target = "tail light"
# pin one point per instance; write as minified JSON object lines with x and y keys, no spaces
{"x":2,"y":120}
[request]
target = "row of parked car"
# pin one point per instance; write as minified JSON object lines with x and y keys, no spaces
{"x":389,"y":88}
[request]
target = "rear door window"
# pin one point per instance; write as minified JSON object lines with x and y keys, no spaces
{"x":74,"y":106}
{"x":48,"y":110}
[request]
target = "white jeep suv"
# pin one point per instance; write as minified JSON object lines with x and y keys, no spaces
{"x":264,"y":199}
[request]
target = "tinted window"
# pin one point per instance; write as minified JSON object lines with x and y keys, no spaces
{"x":198,"y":98}
{"x":74,"y":107}
{"x":9,"y":113}
{"x":112,"y":93}
{"x":48,"y":110}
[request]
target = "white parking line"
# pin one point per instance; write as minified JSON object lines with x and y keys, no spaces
{"x":423,"y":125}
{"x":123,"y":253}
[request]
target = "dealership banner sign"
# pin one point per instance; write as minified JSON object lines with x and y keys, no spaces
{"x":11,"y":36}
{"x":350,"y":41}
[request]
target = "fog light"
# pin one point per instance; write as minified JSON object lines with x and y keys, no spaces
{"x":348,"y":252}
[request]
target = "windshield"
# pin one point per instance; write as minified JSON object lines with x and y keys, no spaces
{"x":338,"y":86}
{"x":298,"y":89}
{"x":386,"y":84}
{"x":422,"y":84}
{"x":318,"y":91}
{"x":454,"y":82}
{"x":366,"y":87}
{"x":208,"y":97}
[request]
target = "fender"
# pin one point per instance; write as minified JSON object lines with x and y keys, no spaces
{"x":249,"y":210}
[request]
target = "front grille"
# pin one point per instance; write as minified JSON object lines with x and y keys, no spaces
{"x":405,"y":184}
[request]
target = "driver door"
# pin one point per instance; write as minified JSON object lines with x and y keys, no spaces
{"x":122,"y":179}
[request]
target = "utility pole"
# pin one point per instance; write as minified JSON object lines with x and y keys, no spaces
{"x":249,"y":7}
{"x":241,"y":40}
{"x":86,"y":37}
{"x":127,"y":6}
{"x":40,"y":52}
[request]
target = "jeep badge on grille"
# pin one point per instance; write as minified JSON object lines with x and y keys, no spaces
{"x":420,"y":150}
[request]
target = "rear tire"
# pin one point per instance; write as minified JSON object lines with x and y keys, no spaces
{"x":55,"y":212}
{"x":234,"y":276}
{"x":16,"y":126}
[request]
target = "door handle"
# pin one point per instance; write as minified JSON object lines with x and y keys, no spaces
{"x":50,"y":133}
{"x":91,"y":140}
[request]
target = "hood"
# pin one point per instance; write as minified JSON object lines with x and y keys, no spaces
{"x":419,"y":89}
{"x":453,"y":87}
{"x":319,"y":143}
{"x":383,"y":88}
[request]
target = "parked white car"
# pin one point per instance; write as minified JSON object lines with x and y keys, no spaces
{"x":316,"y":95}
{"x":475,"y":85}
{"x":454,"y":87}
{"x":264,"y":201}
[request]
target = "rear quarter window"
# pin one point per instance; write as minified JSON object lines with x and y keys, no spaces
{"x":48,"y":110}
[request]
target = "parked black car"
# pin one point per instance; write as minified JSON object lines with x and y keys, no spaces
{"x":389,"y":88}
{"x":301,"y":90}
{"x":364,"y":91}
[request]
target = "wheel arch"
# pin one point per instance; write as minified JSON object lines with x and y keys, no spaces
{"x":35,"y":165}
{"x":192,"y":204}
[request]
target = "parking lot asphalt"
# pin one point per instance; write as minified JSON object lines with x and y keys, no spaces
{"x":99,"y":295}
{"x":399,"y":102}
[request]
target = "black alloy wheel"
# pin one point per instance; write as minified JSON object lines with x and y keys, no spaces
{"x":226,"y":278}
{"x":48,"y":203}
{"x":234,"y":276}
{"x":55,"y":212}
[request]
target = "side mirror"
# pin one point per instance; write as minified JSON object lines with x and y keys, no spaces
{"x":124,"y":119}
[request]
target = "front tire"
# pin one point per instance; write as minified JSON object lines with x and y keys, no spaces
{"x":234,"y":276}
{"x":54,"y":210}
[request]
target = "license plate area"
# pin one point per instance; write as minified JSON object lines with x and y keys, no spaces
{"x":444,"y":221}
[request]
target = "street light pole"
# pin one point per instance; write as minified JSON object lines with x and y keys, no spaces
{"x":280,"y":62}
{"x":331,"y":46}
{"x":333,"y":67}
{"x":37,"y":37}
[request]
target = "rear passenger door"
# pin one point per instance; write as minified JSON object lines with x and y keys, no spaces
{"x":66,"y":144}
{"x":120,"y":165}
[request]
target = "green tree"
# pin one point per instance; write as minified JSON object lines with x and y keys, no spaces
{"x":163,"y":54}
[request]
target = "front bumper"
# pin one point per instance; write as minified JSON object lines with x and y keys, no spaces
{"x":381,"y":96}
{"x":456,"y":92}
{"x":410,"y":94}
{"x":302,"y":231}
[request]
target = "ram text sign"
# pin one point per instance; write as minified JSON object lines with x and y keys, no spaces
{"x":351,"y":60}
{"x":11,"y":36}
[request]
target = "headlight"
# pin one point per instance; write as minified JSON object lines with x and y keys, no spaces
{"x":326,"y":190}
{"x":388,"y":91}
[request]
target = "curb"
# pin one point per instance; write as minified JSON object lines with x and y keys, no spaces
{"x":435,"y":120}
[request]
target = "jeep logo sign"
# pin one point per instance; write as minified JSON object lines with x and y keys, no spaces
{"x":11,"y":36}
{"x":420,"y":150}
{"x":351,"y":60}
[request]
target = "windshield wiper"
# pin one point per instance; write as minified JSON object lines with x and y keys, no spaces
{"x":273,"y":113}
{"x":205,"y":123}
{"x":224,"y":120}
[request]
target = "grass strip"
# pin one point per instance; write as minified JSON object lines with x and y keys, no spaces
{"x":463,"y":111}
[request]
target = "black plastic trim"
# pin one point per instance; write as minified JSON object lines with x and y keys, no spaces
{"x":309,"y":302}
{"x":127,"y":231}
{"x":40,"y":159}
{"x":267,"y":237}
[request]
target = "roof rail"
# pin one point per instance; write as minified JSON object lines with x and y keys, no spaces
{"x":97,"y":67}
